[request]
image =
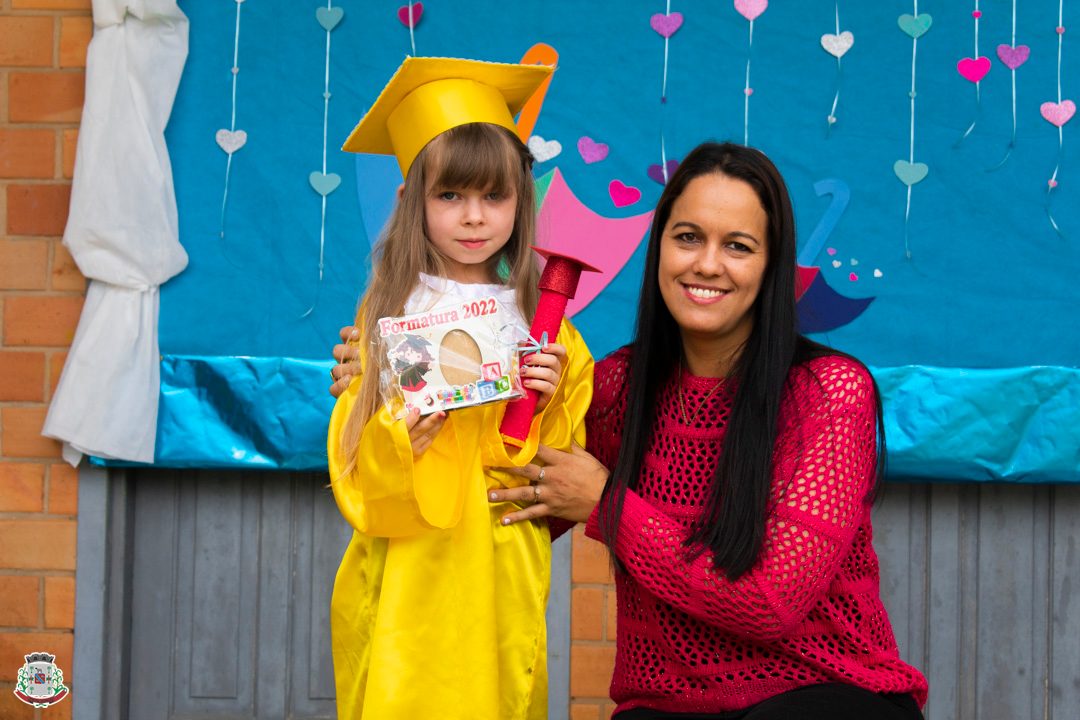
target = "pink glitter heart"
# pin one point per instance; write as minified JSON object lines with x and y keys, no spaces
{"x":831,"y":251}
{"x":976,"y":14}
{"x":1013,"y":57}
{"x":417,"y":12}
{"x":974,"y":69}
{"x":623,"y":195}
{"x":750,"y":9}
{"x":853,"y":277}
{"x":1058,"y":113}
{"x":591,"y":151}
{"x":666,"y":25}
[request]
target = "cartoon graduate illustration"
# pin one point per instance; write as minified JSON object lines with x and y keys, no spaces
{"x":412,"y":361}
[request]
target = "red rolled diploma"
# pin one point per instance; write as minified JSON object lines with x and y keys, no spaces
{"x":558,"y":283}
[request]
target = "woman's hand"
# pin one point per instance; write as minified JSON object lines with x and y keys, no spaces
{"x":542,"y":371}
{"x":422,"y":432}
{"x":348,"y":358}
{"x":568,"y":486}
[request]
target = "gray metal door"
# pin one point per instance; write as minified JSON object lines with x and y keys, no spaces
{"x":207,"y":594}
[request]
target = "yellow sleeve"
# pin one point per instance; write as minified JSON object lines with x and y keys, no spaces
{"x":389,"y":493}
{"x":562,"y":421}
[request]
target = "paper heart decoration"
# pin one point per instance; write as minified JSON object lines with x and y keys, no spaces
{"x":591,"y":151}
{"x":915,"y":25}
{"x":623,"y":195}
{"x":1013,"y":57}
{"x":329,"y":17}
{"x":974,"y":69}
{"x":417,"y":13}
{"x":837,"y":45}
{"x":230,"y":140}
{"x":910,"y":173}
{"x":656,"y":173}
{"x":750,"y":9}
{"x":1058,"y":113}
{"x":666,"y":25}
{"x":544,"y":150}
{"x":323,"y":183}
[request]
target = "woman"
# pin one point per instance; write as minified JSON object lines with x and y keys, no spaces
{"x":744,"y":459}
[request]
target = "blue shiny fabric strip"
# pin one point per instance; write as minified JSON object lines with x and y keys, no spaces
{"x":942,"y":424}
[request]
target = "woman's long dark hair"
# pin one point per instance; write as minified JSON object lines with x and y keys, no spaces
{"x":732,"y":523}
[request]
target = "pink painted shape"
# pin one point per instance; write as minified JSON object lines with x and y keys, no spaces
{"x":804,"y":278}
{"x":417,"y":13}
{"x":666,"y":25}
{"x":1058,"y":113}
{"x":622,"y":194}
{"x":1013,"y":57}
{"x":591,"y":151}
{"x":974,"y":69}
{"x":568,"y":226}
{"x":750,"y":9}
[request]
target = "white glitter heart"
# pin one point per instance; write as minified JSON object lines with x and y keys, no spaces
{"x":877,"y":273}
{"x":230,"y":140}
{"x":836,"y":263}
{"x":837,"y":45}
{"x":544,"y":150}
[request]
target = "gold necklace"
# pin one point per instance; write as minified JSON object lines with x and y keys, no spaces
{"x":682,"y":406}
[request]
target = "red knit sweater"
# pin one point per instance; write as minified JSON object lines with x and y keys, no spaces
{"x":808,"y":611}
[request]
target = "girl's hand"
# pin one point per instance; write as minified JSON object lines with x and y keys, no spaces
{"x":568,"y":486}
{"x":422,"y":432}
{"x":348,"y":358}
{"x":542,"y":371}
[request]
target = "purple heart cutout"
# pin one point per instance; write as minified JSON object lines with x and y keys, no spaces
{"x":656,"y":173}
{"x":666,"y":25}
{"x":1013,"y":57}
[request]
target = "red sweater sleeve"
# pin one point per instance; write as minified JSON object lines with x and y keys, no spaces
{"x":823,"y":469}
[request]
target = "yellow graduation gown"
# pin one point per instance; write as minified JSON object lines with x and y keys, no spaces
{"x":438,"y":609}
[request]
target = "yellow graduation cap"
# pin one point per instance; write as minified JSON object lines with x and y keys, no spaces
{"x":428,"y":96}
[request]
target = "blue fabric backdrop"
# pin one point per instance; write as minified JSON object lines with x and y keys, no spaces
{"x":972,"y":337}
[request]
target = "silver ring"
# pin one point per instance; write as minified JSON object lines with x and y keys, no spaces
{"x":540,"y":477}
{"x":334,"y":379}
{"x":536,"y":494}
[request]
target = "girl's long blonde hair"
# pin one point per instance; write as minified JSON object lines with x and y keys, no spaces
{"x":478,"y":156}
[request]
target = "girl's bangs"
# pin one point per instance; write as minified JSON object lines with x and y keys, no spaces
{"x":473,"y":157}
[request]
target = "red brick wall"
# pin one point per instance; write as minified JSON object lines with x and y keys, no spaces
{"x":42,"y":56}
{"x":592,"y":630}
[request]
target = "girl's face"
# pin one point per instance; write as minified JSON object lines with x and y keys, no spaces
{"x":713,"y":257}
{"x":469,"y":227}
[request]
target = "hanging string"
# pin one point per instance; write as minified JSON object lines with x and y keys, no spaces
{"x":747,"y":90}
{"x":232,"y":118}
{"x":326,"y":119}
{"x":412,"y":36}
{"x":831,"y":120}
{"x":1012,"y":72}
{"x":911,"y":139}
{"x":1052,"y":183}
{"x":978,"y":100}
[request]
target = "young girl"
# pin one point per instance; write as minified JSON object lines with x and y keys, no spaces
{"x":438,"y":610}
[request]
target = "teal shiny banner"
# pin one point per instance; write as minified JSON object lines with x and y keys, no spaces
{"x":941,"y":424}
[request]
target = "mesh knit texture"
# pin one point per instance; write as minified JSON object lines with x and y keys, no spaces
{"x":809,"y":610}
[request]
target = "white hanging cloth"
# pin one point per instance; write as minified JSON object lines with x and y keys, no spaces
{"x":122,"y":231}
